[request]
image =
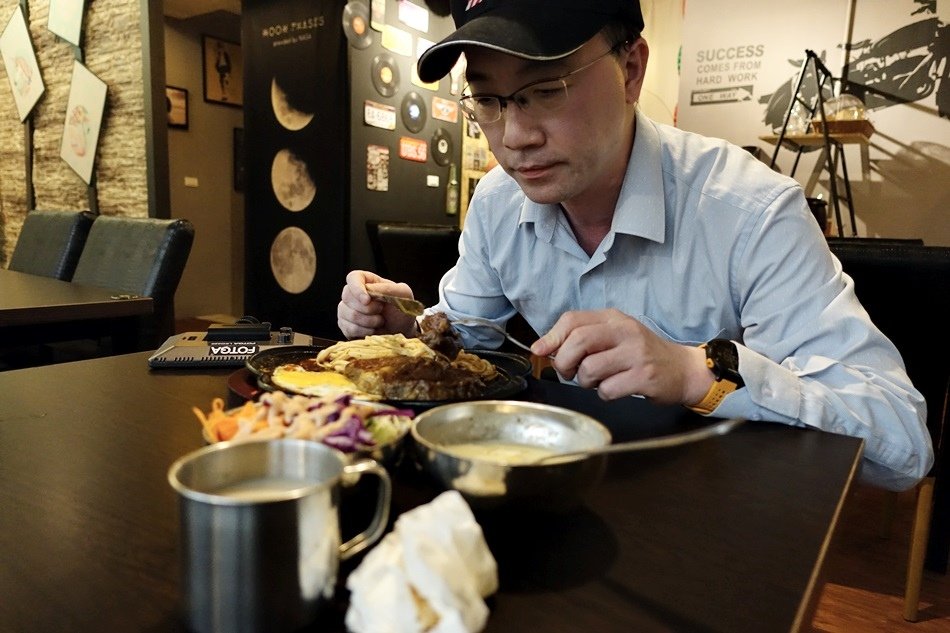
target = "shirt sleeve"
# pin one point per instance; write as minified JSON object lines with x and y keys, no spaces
{"x":810,"y":354}
{"x":472,"y":286}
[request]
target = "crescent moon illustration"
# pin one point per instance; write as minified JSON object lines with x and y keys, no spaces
{"x":291,"y":181}
{"x":288,"y":116}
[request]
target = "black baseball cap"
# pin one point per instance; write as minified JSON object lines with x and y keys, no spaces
{"x":532,"y":29}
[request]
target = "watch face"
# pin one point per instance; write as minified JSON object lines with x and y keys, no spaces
{"x":725,"y":358}
{"x":724,"y":353}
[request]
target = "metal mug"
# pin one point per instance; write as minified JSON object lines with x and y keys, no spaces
{"x":260,"y":531}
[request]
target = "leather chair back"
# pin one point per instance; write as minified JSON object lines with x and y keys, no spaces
{"x":904,"y":287}
{"x":50,"y":243}
{"x":143,"y":256}
{"x":417,"y":254}
{"x":872,"y":241}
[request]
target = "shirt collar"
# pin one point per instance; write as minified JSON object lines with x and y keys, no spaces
{"x":641,"y":209}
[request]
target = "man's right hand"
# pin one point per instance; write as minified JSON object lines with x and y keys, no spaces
{"x":360,"y":315}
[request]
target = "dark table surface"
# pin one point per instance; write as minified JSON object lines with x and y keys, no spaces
{"x":724,"y":535}
{"x":34,"y":300}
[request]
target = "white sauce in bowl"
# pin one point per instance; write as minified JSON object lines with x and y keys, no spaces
{"x":500,"y":452}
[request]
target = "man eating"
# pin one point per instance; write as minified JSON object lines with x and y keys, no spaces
{"x":655,"y":261}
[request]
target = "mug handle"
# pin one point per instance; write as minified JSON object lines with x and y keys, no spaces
{"x":378,"y":525}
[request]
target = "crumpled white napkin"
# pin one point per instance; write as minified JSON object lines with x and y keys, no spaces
{"x":430,"y":574}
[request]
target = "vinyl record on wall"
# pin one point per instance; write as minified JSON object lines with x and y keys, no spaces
{"x":356,"y":24}
{"x":385,"y":74}
{"x":414,"y":112}
{"x":441,"y":147}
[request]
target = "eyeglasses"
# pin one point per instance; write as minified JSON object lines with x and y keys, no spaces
{"x":540,"y":97}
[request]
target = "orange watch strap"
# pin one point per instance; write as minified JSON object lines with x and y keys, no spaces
{"x":719,"y":390}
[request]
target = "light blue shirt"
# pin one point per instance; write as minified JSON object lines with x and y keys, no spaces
{"x":706,"y":242}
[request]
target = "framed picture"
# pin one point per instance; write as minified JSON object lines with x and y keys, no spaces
{"x":239,"y":159}
{"x":65,"y":19}
{"x":20,"y":62}
{"x":223,"y":71}
{"x":176,"y":102}
{"x":87,"y":102}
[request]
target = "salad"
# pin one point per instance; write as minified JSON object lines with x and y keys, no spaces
{"x":341,"y":422}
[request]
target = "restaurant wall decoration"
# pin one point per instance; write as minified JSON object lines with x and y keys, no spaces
{"x":107,"y":38}
{"x":405,"y":134}
{"x":736,"y":83}
{"x":356,"y":24}
{"x":477,"y":159}
{"x":65,"y":19}
{"x":87,"y":102}
{"x":176,"y":104}
{"x":295,"y":147}
{"x":19,"y":59}
{"x":318,"y":166}
{"x":222,"y":71}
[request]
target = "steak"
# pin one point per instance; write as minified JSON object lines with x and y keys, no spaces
{"x":413,"y":378}
{"x":439,"y":335}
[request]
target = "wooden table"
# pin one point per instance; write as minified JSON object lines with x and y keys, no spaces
{"x":724,"y":535}
{"x":33,"y":300}
{"x":34,"y":308}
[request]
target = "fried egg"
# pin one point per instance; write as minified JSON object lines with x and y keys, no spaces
{"x":296,"y":379}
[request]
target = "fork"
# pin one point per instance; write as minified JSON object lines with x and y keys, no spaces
{"x":405,"y":305}
{"x":479,"y":322}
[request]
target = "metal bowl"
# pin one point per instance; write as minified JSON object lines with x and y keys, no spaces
{"x":492,"y":484}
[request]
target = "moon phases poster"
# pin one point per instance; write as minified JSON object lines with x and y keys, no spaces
{"x":295,"y":137}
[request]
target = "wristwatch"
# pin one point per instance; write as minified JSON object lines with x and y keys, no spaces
{"x":722,"y":358}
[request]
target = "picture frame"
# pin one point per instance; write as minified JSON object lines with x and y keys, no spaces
{"x":19,"y":59}
{"x":65,"y":19}
{"x":239,"y":159}
{"x":176,"y":103}
{"x":223,"y":72}
{"x":84,"y":114}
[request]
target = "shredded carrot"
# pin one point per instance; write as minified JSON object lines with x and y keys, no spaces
{"x":218,"y":424}
{"x":279,"y":415}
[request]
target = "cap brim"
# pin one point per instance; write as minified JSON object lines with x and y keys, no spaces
{"x":516,"y":32}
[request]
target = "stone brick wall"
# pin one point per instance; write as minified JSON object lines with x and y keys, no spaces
{"x":112,"y":49}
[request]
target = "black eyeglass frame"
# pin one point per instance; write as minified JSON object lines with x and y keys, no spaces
{"x":503,"y":101}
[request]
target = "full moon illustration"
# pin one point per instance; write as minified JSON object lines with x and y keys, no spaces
{"x":291,"y":181}
{"x":287,"y":115}
{"x":293,"y":260}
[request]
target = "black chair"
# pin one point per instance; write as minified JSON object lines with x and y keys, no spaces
{"x":417,"y":254}
{"x":903,"y":286}
{"x":834,"y":241}
{"x":142,"y":256}
{"x":50,"y":243}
